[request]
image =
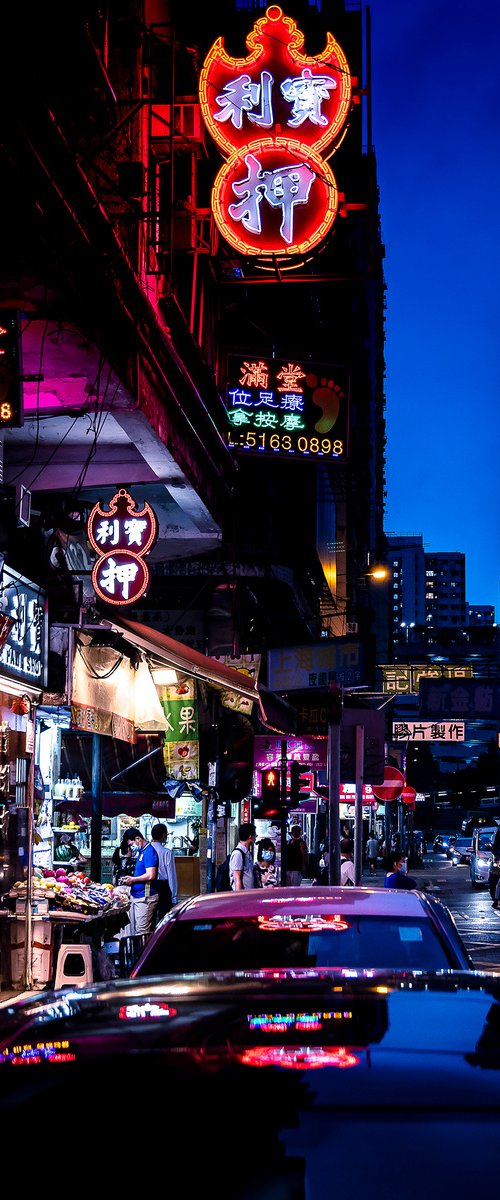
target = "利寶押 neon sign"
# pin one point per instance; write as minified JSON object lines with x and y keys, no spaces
{"x":271,"y":114}
{"x":121,"y":536}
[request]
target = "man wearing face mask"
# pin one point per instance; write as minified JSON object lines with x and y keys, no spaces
{"x":143,"y":884}
{"x":396,"y":876}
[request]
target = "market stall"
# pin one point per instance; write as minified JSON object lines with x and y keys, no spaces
{"x":67,"y":906}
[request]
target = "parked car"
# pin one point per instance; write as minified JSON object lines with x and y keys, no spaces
{"x":461,"y":852}
{"x":309,"y":1062}
{"x":482,"y":855}
{"x":308,"y":926}
{"x":442,"y":842}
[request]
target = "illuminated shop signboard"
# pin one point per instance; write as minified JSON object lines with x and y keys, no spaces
{"x":289,"y":408}
{"x":428,"y":731}
{"x":24,"y":654}
{"x":11,"y":388}
{"x":121,"y":536}
{"x":273,"y":113}
{"x":405,"y":679}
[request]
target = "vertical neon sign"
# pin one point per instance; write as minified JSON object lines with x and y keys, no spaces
{"x":272,"y":114}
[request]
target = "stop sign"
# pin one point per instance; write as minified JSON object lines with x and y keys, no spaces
{"x":392,"y":786}
{"x":408,"y":796}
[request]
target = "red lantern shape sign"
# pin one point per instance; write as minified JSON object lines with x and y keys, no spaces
{"x":272,"y":113}
{"x":277,"y":90}
{"x":121,"y":536}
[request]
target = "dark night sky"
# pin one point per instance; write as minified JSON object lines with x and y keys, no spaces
{"x":436,"y":127}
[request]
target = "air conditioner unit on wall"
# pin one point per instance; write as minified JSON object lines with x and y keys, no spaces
{"x":351,"y":626}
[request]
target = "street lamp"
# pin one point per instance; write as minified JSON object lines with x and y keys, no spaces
{"x":407,"y":625}
{"x":379,"y":573}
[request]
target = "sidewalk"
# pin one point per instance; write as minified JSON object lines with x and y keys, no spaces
{"x":7,"y":997}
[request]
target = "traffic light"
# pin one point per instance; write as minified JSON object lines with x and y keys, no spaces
{"x":300,"y":783}
{"x":269,"y":803}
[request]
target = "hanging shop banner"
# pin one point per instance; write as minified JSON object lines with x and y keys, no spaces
{"x":181,"y":747}
{"x":287,"y":407}
{"x":471,"y":699}
{"x":110,"y":696}
{"x":405,"y":678}
{"x":248,"y":664}
{"x":272,"y":114}
{"x":428,"y":731}
{"x":24,"y":616}
{"x":336,"y":660}
{"x":121,"y":537}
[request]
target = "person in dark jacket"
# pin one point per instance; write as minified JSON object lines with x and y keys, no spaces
{"x":296,"y":857}
{"x":396,"y":876}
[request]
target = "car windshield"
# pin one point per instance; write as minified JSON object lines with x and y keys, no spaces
{"x":281,"y":941}
{"x":484,"y":841}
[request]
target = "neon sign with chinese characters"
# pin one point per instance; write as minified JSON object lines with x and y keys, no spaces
{"x":287,"y":407}
{"x":11,"y":388}
{"x":272,"y":114}
{"x":121,"y":537}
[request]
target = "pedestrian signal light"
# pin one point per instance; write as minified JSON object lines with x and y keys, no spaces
{"x":269,"y":804}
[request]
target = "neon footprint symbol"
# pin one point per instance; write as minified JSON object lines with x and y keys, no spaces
{"x":327,"y":396}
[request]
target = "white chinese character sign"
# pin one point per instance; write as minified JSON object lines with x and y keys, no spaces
{"x":287,"y":407}
{"x":121,"y":537}
{"x":273,"y":113}
{"x":24,"y":617}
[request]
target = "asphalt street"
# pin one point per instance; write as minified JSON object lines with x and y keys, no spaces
{"x":477,"y":922}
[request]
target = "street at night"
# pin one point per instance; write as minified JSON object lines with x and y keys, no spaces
{"x":477,"y":921}
{"x":248,"y":636}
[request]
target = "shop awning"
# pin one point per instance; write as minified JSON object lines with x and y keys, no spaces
{"x":186,"y":659}
{"x":274,"y":712}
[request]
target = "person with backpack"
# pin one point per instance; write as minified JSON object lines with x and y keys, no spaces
{"x":241,"y":872}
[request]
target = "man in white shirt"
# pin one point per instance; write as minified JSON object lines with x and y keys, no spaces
{"x":167,"y":874}
{"x":241,"y":871}
{"x":372,"y":852}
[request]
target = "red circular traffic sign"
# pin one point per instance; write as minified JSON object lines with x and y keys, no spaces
{"x":408,"y":796}
{"x":392,"y":786}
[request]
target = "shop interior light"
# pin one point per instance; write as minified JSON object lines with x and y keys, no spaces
{"x":165,"y":675}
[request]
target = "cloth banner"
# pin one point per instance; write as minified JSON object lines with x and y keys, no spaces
{"x":181,"y":750}
{"x":110,"y":696}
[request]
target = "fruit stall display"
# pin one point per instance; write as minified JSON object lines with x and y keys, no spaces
{"x":73,"y":891}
